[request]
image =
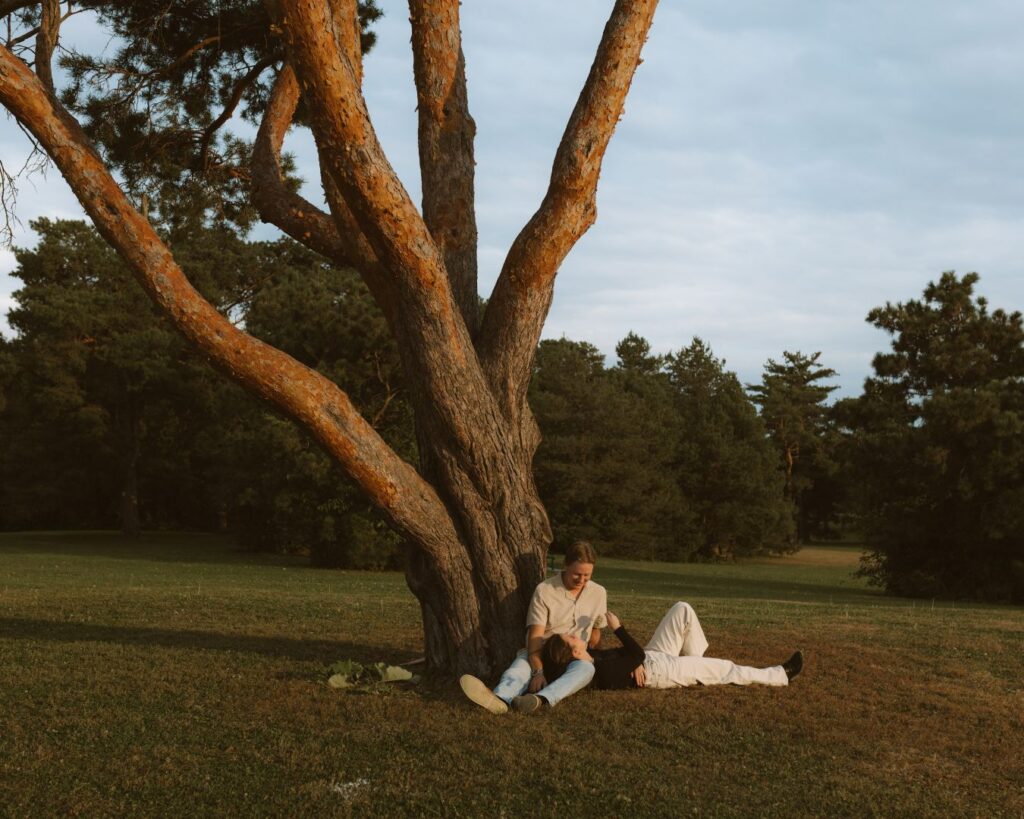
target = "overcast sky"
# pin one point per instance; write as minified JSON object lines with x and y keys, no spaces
{"x":780,"y":169}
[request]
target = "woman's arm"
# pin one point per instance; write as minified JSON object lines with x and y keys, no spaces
{"x":633,"y":649}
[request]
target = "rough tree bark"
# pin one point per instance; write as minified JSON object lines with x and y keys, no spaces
{"x":476,"y":531}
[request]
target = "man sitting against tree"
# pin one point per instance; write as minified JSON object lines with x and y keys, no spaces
{"x":567,"y":603}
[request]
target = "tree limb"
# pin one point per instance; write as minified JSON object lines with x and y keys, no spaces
{"x":344,"y":15}
{"x":46,"y":41}
{"x":354,"y":159}
{"x":348,"y":33}
{"x":318,"y":404}
{"x":229,"y":109}
{"x":522,"y":295}
{"x":274,"y":200}
{"x":446,"y":134}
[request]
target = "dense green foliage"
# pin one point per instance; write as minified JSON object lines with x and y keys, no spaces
{"x":159,"y":100}
{"x":96,"y":413}
{"x":657,"y":457}
{"x":288,"y":494}
{"x":107,"y":418}
{"x":937,"y":439}
{"x":111,"y":419}
{"x":725,"y":464}
{"x":604,"y":465}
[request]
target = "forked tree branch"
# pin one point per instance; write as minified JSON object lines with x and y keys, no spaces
{"x":315,"y":402}
{"x":352,"y":154}
{"x":274,"y":200}
{"x":446,"y":134}
{"x":432,"y":335}
{"x":347,"y":32}
{"x":522,"y":295}
{"x":297,"y":217}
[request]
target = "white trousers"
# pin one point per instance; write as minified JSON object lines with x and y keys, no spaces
{"x":675,"y":657}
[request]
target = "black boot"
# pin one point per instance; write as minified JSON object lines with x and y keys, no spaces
{"x":794,"y":665}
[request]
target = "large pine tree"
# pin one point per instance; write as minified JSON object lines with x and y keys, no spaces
{"x":725,"y":465}
{"x":468,"y":512}
{"x":938,"y":442}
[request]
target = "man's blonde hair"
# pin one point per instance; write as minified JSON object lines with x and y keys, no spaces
{"x":580,"y":552}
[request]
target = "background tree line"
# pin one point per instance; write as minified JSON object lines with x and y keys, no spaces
{"x":108,"y":419}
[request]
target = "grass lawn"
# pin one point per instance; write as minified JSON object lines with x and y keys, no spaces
{"x":175,"y":677}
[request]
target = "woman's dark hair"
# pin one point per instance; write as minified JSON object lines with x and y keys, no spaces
{"x":555,"y":655}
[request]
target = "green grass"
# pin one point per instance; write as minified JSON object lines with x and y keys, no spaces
{"x":174,"y":676}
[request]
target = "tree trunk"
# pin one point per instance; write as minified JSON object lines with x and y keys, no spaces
{"x":504,"y":535}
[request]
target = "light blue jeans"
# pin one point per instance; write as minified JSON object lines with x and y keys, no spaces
{"x":516,"y":678}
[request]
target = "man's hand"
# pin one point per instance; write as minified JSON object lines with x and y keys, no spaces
{"x":640,"y":676}
{"x":537,"y":682}
{"x":613,"y":620}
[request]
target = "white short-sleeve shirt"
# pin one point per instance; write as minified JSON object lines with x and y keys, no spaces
{"x":554,"y":607}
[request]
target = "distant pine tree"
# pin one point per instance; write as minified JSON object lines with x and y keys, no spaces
{"x":726,"y":467}
{"x":792,"y":402}
{"x":604,"y":464}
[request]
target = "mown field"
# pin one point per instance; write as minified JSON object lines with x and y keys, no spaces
{"x":177,"y":677}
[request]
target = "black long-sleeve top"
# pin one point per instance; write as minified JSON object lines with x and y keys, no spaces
{"x":613,"y":666}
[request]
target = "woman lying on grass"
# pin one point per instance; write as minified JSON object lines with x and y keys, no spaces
{"x":673,"y":658}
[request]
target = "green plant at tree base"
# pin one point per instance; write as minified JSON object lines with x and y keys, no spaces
{"x":349,"y":673}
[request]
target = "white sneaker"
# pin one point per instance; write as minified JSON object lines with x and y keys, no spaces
{"x":482,"y":695}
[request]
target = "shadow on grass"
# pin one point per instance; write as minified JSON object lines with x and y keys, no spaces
{"x":684,"y":586}
{"x":328,"y":651}
{"x":159,"y":547}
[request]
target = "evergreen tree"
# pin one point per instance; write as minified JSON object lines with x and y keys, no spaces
{"x":468,"y":512}
{"x":792,"y":403}
{"x":726,"y":467}
{"x":288,"y":494}
{"x":938,"y":440}
{"x":92,"y":356}
{"x":634,"y":355}
{"x":603,"y":466}
{"x":653,"y":517}
{"x":199,"y":452}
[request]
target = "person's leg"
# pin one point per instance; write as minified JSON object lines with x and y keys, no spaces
{"x":673,"y":672}
{"x":515,"y":679}
{"x":577,"y":675}
{"x":679,"y":633}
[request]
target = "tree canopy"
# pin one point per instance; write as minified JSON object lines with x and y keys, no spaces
{"x":938,"y":441}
